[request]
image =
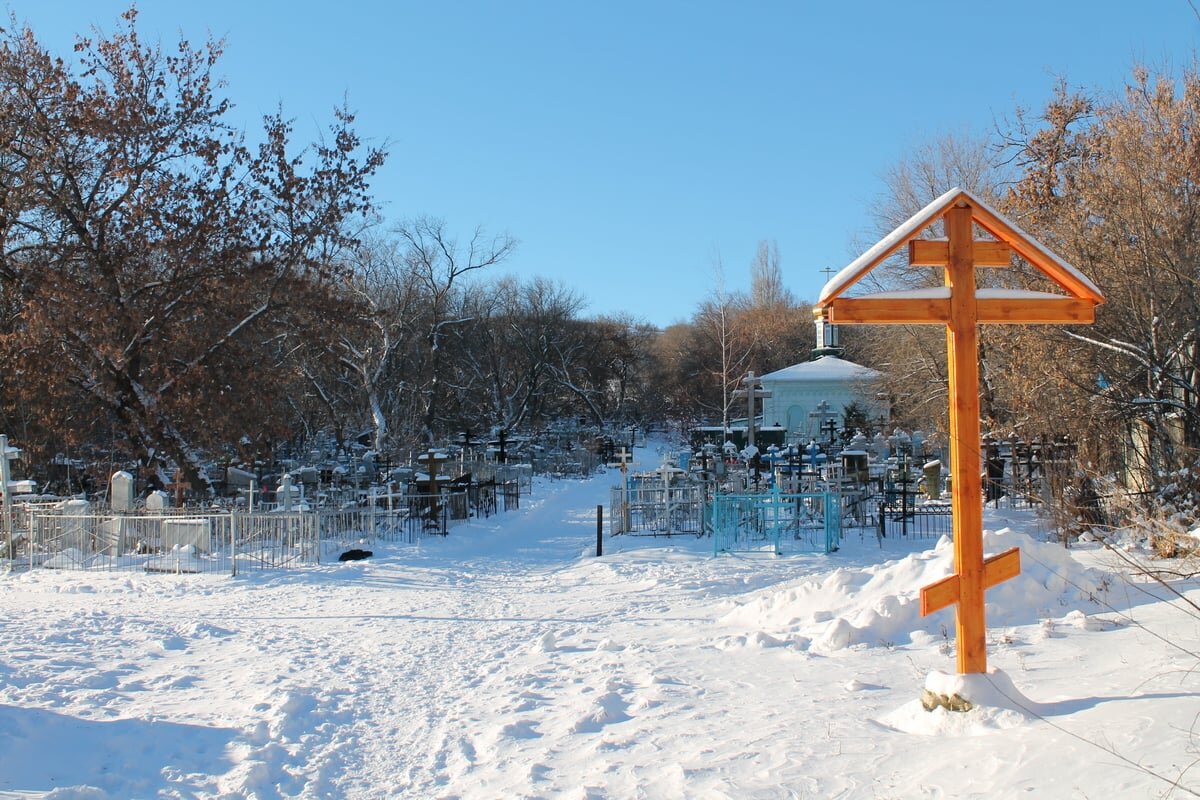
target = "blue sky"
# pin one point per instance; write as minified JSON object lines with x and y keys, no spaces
{"x":630,"y":146}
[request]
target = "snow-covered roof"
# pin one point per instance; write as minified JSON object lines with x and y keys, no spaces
{"x":943,"y":293}
{"x":825,"y":368}
{"x":986,"y":217}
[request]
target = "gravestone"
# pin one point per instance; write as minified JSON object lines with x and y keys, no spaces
{"x":932,"y":472}
{"x":285,"y":494}
{"x":121,"y":491}
{"x":158,"y":500}
{"x":879,"y":446}
{"x":74,"y":525}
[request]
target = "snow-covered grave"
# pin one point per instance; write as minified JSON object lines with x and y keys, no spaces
{"x":508,"y":661}
{"x":75,"y":534}
{"x":156,"y":536}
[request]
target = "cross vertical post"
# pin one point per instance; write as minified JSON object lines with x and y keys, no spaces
{"x":962,"y":342}
{"x":752,"y":392}
{"x":179,"y":486}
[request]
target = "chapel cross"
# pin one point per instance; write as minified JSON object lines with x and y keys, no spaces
{"x":961,"y":307}
{"x":752,"y":392}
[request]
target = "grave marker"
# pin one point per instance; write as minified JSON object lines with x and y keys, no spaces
{"x":962,"y":307}
{"x":7,"y":454}
{"x":824,"y":414}
{"x":752,"y":392}
{"x":121,"y":491}
{"x":179,"y":486}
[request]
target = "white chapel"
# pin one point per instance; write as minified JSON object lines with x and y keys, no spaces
{"x":804,"y":396}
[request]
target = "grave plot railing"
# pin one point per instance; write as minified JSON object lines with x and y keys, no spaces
{"x":1006,"y":495}
{"x":860,"y":510}
{"x":201,"y":543}
{"x":916,"y":520}
{"x":429,"y":514}
{"x":510,"y":493}
{"x":521,"y":475}
{"x":272,"y":541}
{"x":484,"y":498}
{"x":575,"y":463}
{"x":777,"y":522}
{"x":657,"y":511}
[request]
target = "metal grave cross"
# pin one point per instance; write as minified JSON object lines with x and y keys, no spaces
{"x":823,"y":414}
{"x":623,"y":457}
{"x":961,"y":307}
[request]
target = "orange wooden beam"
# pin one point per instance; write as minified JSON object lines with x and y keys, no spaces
{"x":936,"y":310}
{"x":996,"y":569}
{"x":1034,"y":255}
{"x":1039,"y":310}
{"x":889,"y":310}
{"x":962,"y":344}
{"x":936,"y":253}
{"x":939,"y":594}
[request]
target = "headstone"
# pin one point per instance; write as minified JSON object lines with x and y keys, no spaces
{"x":283,"y":495}
{"x":933,"y":479}
{"x":121,"y":491}
{"x":158,"y":500}
{"x":187,"y":532}
{"x":74,"y":529}
{"x":880,"y":446}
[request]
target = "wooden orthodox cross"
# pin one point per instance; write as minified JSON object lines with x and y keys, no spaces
{"x":179,"y":487}
{"x":752,"y":392}
{"x":961,"y":307}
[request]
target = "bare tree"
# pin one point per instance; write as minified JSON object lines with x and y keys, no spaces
{"x":440,"y":264}
{"x":766,"y":279}
{"x":717,"y":324}
{"x":913,"y":357}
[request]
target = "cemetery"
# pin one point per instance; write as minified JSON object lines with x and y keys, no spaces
{"x":807,"y":497}
{"x":469,"y":438}
{"x":313,"y":512}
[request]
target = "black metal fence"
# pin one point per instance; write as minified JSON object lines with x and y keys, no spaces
{"x":919,"y":521}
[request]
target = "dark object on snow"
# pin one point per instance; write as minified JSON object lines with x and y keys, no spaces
{"x":355,"y":555}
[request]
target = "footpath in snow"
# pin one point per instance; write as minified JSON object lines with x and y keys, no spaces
{"x":507,"y":661}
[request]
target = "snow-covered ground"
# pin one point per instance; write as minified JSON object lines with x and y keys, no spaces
{"x":506,"y":661}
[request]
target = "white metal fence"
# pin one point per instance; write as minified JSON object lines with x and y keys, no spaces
{"x":195,"y":541}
